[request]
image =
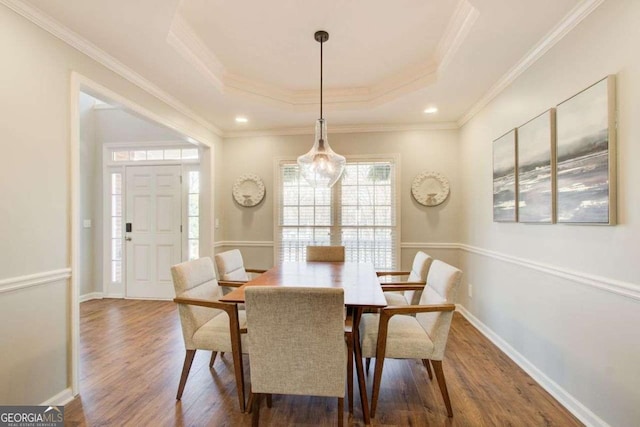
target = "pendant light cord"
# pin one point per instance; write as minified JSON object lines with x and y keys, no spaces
{"x":321,"y":43}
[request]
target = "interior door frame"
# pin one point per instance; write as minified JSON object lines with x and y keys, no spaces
{"x":108,"y":167}
{"x":80,"y":83}
{"x":127,"y":249}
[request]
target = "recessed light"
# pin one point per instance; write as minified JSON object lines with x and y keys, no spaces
{"x":431,"y":110}
{"x":241,"y":119}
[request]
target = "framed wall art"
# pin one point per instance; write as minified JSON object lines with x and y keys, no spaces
{"x":586,"y":156}
{"x":536,"y":169}
{"x":504,"y":178}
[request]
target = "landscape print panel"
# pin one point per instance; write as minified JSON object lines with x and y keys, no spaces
{"x":535,"y":169}
{"x":584,"y":149}
{"x":504,"y":178}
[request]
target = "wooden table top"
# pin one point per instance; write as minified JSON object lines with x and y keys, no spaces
{"x":359,"y":281}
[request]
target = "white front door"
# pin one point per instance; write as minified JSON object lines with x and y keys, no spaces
{"x":153,"y":238}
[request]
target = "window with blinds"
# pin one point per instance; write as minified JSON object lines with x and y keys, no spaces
{"x":359,"y":212}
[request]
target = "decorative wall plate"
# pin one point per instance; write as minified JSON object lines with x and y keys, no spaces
{"x":248,"y":190}
{"x":430,"y":188}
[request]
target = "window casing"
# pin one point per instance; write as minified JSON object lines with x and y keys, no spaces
{"x":360,"y":212}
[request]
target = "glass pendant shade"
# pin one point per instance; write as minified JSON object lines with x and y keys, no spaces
{"x":321,"y":166}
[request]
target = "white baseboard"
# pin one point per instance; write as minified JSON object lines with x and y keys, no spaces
{"x":119,"y":296}
{"x":150,"y":299}
{"x":91,"y":295}
{"x":583,"y":413}
{"x":60,"y":399}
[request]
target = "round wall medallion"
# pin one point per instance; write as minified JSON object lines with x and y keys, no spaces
{"x":248,"y":190}
{"x":430,"y":188}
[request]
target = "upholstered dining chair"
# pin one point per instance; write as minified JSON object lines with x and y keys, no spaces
{"x":417,"y":276}
{"x":386,"y":335}
{"x":231,"y":268}
{"x":325,"y":253}
{"x":207,"y":324}
{"x":336,"y":254}
{"x":299,"y":351}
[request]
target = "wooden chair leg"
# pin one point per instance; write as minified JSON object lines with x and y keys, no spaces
{"x":357,"y":355}
{"x":250,"y":401}
{"x":269,"y":400}
{"x":426,"y":364}
{"x":381,"y":351}
{"x":221,"y":353}
{"x":437,"y":367}
{"x":236,"y":350}
{"x":213,"y":358}
{"x":188,"y":360}
{"x":340,"y":411}
{"x":368,"y":363}
{"x":255,"y":416}
{"x":349,"y":339}
{"x":377,"y":376}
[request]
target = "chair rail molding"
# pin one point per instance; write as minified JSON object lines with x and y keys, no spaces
{"x":618,"y":287}
{"x":245,"y":243}
{"x":37,"y":279}
{"x":574,"y":406}
{"x":424,"y":245}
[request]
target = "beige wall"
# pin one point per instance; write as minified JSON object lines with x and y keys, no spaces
{"x":581,"y":337}
{"x":544,"y":300}
{"x":419,"y":151}
{"x":35,"y":210}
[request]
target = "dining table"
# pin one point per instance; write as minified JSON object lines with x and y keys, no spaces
{"x":362,"y":291}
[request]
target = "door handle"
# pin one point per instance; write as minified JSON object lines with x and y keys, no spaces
{"x":128,"y":239}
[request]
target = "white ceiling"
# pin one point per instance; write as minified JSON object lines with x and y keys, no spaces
{"x":385,"y":62}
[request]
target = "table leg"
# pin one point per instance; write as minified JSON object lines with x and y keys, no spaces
{"x":357,"y":352}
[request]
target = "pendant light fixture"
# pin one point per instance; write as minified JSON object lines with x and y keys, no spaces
{"x":321,"y":166}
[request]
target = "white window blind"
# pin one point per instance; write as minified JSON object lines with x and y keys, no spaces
{"x":359,"y":212}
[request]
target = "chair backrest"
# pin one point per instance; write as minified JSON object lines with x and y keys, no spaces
{"x":419,"y":269}
{"x":231,"y":266}
{"x":297,"y":339}
{"x":443,"y":282}
{"x":325,"y":253}
{"x":195,"y":279}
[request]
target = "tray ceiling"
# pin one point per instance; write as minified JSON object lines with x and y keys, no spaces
{"x":385,"y":62}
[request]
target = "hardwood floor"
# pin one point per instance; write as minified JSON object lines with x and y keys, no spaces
{"x":131,"y":355}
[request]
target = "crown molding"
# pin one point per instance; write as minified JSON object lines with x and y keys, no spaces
{"x":340,"y":129}
{"x":557,"y":33}
{"x":79,"y":43}
{"x":185,"y":40}
{"x":456,"y":32}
